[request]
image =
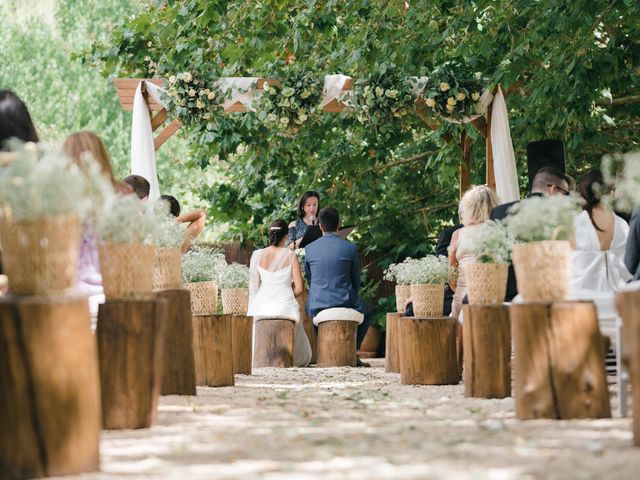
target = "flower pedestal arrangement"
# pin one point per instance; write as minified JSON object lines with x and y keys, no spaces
{"x":486,"y":282}
{"x":127,"y":270}
{"x":234,"y":289}
{"x":402,"y":293}
{"x":168,"y":269}
{"x":427,"y":299}
{"x":204,"y":297}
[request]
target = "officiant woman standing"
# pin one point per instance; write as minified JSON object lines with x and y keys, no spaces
{"x":308,"y":207}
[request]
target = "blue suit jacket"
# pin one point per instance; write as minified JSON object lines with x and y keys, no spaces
{"x":333,"y":273}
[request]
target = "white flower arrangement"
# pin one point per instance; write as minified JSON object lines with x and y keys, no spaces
{"x":127,"y":219}
{"x":451,"y":96}
{"x":430,"y":270}
{"x":201,"y":264}
{"x":537,"y":219}
{"x":40,"y":182}
{"x":287,"y":106}
{"x":234,"y":275}
{"x":623,"y":171}
{"x":490,"y":243}
{"x":194,"y":99}
{"x":168,"y":233}
{"x":399,"y":272}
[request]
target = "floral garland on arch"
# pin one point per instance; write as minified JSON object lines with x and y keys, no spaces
{"x":450,"y":96}
{"x":292,"y":103}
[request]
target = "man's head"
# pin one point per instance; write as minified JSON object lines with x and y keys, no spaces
{"x":174,"y":205}
{"x":139,"y":184}
{"x":550,"y":181}
{"x":329,"y":219}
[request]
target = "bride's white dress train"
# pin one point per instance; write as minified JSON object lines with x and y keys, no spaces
{"x":271,"y":296}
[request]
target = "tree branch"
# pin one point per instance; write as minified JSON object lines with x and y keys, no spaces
{"x":404,"y":161}
{"x":620,"y":101}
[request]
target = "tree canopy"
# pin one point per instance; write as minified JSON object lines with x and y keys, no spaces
{"x":572,"y":66}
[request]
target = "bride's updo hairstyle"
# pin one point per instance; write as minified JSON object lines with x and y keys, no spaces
{"x":277,"y":231}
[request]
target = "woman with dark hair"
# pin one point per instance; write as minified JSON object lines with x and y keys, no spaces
{"x":15,"y":121}
{"x":308,"y":208}
{"x":272,"y":271}
{"x":600,"y":238}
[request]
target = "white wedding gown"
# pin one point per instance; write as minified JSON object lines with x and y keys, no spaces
{"x":593,"y":269}
{"x":271,"y":296}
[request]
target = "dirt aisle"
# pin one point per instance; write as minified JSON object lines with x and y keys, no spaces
{"x":360,"y":424}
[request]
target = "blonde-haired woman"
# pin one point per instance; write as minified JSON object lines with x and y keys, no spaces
{"x":475,"y":208}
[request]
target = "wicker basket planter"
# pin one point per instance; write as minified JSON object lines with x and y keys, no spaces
{"x":486,"y":282}
{"x":167,"y":271}
{"x":402,"y":293}
{"x":204,"y":297}
{"x":235,"y":300}
{"x":127,"y":270}
{"x":543,"y":270}
{"x":427,"y":299}
{"x":40,"y":257}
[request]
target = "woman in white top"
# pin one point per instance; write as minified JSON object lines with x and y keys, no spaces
{"x":272,"y":271}
{"x":597,"y":262}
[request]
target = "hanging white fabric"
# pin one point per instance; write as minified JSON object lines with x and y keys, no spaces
{"x":143,"y":152}
{"x":332,"y":89}
{"x":243,"y":90}
{"x":504,"y":160}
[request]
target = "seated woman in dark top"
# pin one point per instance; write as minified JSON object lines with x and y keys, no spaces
{"x":308,"y":207}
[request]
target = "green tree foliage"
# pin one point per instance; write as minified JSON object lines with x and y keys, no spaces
{"x":571,"y":65}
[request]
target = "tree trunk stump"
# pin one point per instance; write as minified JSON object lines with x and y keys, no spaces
{"x":49,"y":388}
{"x":392,"y":352}
{"x":337,"y":343}
{"x":628,"y":306}
{"x":179,"y":373}
{"x":131,"y":343}
{"x":274,"y":343}
{"x":242,"y":344}
{"x":213,"y":346}
{"x":307,"y":323}
{"x":428,"y":351}
{"x":487,"y":351}
{"x":558,"y":361}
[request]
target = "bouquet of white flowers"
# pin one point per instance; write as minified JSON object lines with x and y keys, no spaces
{"x":537,"y":219}
{"x":490,"y":243}
{"x":202,"y":264}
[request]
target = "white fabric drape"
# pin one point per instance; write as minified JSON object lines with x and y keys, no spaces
{"x":504,"y":160}
{"x":242,"y":90}
{"x":143,"y":152}
{"x":333,"y":85}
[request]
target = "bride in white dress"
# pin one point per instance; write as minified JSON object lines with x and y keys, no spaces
{"x":597,"y":263}
{"x":271,"y":272}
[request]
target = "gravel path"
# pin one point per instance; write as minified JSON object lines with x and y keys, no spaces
{"x":360,"y":423}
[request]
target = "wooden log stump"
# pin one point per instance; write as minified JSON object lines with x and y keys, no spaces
{"x":487,"y":351}
{"x":628,"y":306}
{"x":307,"y":323}
{"x":428,"y":351}
{"x":337,"y":343}
{"x":392,"y":352}
{"x":558,"y":361}
{"x":274,"y":343}
{"x":49,"y":388}
{"x":213,"y":346}
{"x":131,"y":350}
{"x":242,"y":344}
{"x":179,"y":371}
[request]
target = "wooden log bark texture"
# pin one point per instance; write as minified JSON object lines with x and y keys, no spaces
{"x":428,"y":351}
{"x":309,"y":328}
{"x":337,"y":343}
{"x":274,"y":343}
{"x":392,"y":350}
{"x":179,"y":371}
{"x":130,"y":344}
{"x":213,"y":346}
{"x":49,"y":388}
{"x":487,"y":351}
{"x":242,"y":344}
{"x":558,"y":361}
{"x":628,"y":306}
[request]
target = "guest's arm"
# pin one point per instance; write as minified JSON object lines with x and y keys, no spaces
{"x":196,"y":220}
{"x":307,"y":270}
{"x":453,"y":248}
{"x":632,"y":250}
{"x":298,"y":285}
{"x":355,"y":271}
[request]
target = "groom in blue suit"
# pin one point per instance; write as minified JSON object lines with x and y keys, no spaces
{"x":332,"y":269}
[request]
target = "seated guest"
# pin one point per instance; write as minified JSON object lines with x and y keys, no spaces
{"x":15,"y":121}
{"x":195,"y":220}
{"x":600,"y":239}
{"x":140,"y":186}
{"x":332,"y":269}
{"x":271,"y":272}
{"x":308,"y":207}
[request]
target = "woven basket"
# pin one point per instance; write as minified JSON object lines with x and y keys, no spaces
{"x":235,"y":300}
{"x":127,"y":270}
{"x":402,"y":293}
{"x":204,"y":297}
{"x":167,"y":271}
{"x":41,"y":257}
{"x":486,"y":282}
{"x":543,"y":270}
{"x":427,"y":299}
